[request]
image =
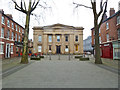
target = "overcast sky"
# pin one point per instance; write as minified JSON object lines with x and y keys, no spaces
{"x":61,"y":11}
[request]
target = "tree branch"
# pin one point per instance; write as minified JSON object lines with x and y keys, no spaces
{"x":35,"y":6}
{"x":105,"y":10}
{"x":19,"y":8}
{"x":77,"y":5}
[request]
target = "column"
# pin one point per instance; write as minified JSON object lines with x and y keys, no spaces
{"x":54,"y":46}
{"x":45,"y":45}
{"x":62,"y":44}
{"x":71,"y":43}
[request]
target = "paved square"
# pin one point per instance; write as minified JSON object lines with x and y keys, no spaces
{"x":61,"y":74}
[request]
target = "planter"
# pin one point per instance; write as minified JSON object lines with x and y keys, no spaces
{"x":84,"y":59}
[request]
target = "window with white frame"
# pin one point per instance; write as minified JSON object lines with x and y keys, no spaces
{"x":117,"y":52}
{"x":118,"y":33}
{"x":12,"y":25}
{"x":118,"y":20}
{"x":39,"y":48}
{"x":23,"y":31}
{"x":8,"y":34}
{"x":16,"y":27}
{"x":50,"y":38}
{"x":19,"y":29}
{"x":58,"y":38}
{"x":3,"y":20}
{"x":39,"y":38}
{"x":76,"y":38}
{"x":19,"y":39}
{"x":2,"y":48}
{"x":2,"y":32}
{"x":107,"y":37}
{"x":8,"y":23}
{"x":107,"y":25}
{"x":66,"y":48}
{"x":16,"y":37}
{"x":12,"y":36}
{"x":11,"y":48}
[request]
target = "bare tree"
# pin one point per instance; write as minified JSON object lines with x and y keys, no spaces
{"x":22,"y":8}
{"x":97,"y":16}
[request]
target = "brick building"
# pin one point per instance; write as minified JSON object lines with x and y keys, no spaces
{"x":11,"y":34}
{"x":109,"y":32}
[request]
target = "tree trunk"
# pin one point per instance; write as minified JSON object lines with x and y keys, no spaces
{"x":24,"y":59}
{"x":97,"y":46}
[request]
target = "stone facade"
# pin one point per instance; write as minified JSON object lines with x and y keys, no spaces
{"x":58,"y":38}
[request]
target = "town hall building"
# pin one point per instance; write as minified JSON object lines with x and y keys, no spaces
{"x":58,"y":39}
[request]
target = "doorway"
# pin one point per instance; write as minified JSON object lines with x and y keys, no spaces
{"x":57,"y":49}
{"x":7,"y":50}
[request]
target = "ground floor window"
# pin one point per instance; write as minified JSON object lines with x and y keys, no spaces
{"x":2,"y":48}
{"x":49,"y":47}
{"x":66,"y":48}
{"x":16,"y":49}
{"x":39,"y":48}
{"x":76,"y":47}
{"x":117,"y":52}
{"x":11,"y":49}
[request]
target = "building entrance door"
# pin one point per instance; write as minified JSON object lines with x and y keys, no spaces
{"x":57,"y":49}
{"x":7,"y":50}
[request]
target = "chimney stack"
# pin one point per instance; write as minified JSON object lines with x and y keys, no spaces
{"x":112,"y":11}
{"x":1,"y":10}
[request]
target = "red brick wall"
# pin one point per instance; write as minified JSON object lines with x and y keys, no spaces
{"x":112,"y":31}
{"x":10,"y":41}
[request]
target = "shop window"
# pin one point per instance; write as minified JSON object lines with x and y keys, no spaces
{"x":117,"y":52}
{"x":118,"y":33}
{"x":16,"y":49}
